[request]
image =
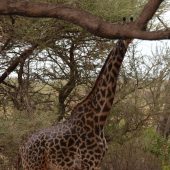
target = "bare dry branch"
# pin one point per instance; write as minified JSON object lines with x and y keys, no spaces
{"x":25,"y":54}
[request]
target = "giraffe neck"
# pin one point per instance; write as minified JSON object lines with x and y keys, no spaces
{"x":99,"y":101}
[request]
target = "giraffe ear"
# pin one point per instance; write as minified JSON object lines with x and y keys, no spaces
{"x":131,"y":19}
{"x":124,"y":19}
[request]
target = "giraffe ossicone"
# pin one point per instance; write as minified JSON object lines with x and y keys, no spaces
{"x":78,"y":143}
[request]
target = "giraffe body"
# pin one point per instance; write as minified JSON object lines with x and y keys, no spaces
{"x":79,"y":142}
{"x":67,"y":146}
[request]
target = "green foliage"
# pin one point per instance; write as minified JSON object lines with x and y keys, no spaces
{"x":157,"y":145}
{"x":15,"y":128}
{"x":130,"y":155}
{"x":112,"y":10}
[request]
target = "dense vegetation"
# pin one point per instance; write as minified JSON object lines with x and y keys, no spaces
{"x":58,"y":64}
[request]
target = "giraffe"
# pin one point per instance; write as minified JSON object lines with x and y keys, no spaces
{"x":78,"y":143}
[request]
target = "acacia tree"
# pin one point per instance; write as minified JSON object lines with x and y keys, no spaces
{"x":46,"y":33}
{"x":80,"y":17}
{"x":91,"y":23}
{"x":70,"y":12}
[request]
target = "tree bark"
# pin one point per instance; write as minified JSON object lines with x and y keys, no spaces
{"x":70,"y":85}
{"x":84,"y":19}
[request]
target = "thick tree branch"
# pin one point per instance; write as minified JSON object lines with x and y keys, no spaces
{"x":24,"y":55}
{"x":93,"y":24}
{"x":148,"y":12}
